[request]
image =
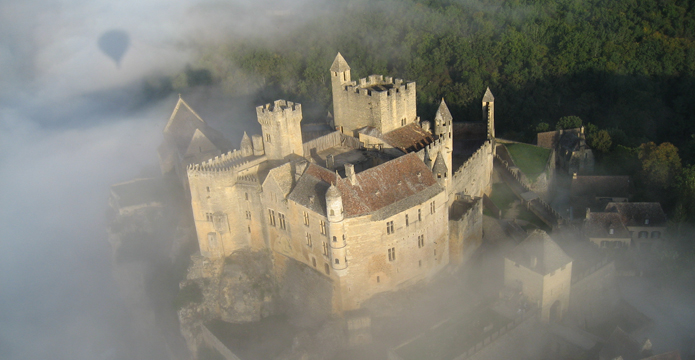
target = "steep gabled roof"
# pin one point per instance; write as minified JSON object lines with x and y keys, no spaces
{"x":283,"y":177}
{"x":200,"y":144}
{"x":598,"y":225}
{"x":443,"y":113}
{"x":339,"y":64}
{"x":637,"y":213}
{"x":440,"y":165}
{"x":488,"y":96}
{"x":391,"y":183}
{"x":183,"y":118}
{"x":539,"y":246}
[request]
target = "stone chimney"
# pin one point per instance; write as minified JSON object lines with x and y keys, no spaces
{"x":350,"y":174}
{"x":425,"y":125}
{"x":330,"y":162}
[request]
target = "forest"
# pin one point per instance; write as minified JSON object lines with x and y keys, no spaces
{"x":622,"y":68}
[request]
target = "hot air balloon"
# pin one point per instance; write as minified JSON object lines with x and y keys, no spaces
{"x":114,"y":44}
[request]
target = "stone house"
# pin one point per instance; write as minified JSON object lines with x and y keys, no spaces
{"x":606,"y":230}
{"x":542,"y":271}
{"x":573,"y":154}
{"x":368,"y":206}
{"x":645,"y":221}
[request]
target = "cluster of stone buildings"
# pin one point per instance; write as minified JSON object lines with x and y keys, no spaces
{"x":374,"y":205}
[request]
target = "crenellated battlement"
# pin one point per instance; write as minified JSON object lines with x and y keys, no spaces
{"x":278,"y":109}
{"x":475,"y":157}
{"x":224,"y":164}
{"x":378,"y":85}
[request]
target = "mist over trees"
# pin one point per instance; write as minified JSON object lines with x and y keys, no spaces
{"x":625,"y":65}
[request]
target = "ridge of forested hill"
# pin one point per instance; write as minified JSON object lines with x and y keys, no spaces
{"x":626,"y":66}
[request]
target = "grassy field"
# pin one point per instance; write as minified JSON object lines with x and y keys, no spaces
{"x":530,"y":159}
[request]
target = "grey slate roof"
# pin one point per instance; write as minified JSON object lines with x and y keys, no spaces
{"x":283,"y":177}
{"x":439,"y":165}
{"x":444,"y":113}
{"x":635,"y":214}
{"x":339,"y":64}
{"x":599,"y":223}
{"x":488,"y":96}
{"x":548,"y":254}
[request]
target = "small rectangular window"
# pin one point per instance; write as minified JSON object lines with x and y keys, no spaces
{"x":322,"y":225}
{"x":389,"y":227}
{"x":246,"y":195}
{"x":248,"y":215}
{"x":337,"y":261}
{"x":419,"y":215}
{"x":281,"y":217}
{"x":271,"y":217}
{"x":432,"y":207}
{"x":325,"y":249}
{"x":392,"y":254}
{"x":308,"y":239}
{"x":208,"y":217}
{"x":267,"y":137}
{"x":421,"y":241}
{"x":406,"y":220}
{"x":306,"y":218}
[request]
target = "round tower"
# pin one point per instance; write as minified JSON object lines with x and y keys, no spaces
{"x":334,"y":204}
{"x":336,"y":231}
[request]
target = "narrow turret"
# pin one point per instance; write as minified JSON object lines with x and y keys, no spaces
{"x":489,"y":113}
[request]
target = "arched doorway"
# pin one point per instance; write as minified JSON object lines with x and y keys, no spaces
{"x":555,"y":312}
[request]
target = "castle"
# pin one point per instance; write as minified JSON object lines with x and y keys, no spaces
{"x":378,"y":203}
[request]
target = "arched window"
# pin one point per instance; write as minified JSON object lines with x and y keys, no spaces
{"x":327,"y":269}
{"x":313,"y":261}
{"x":643,"y":235}
{"x":656,"y":234}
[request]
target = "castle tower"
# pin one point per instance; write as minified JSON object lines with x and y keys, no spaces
{"x":282,"y":132}
{"x":489,"y":113}
{"x":440,"y":170}
{"x":246,"y":146}
{"x":340,"y":77}
{"x":381,"y":102}
{"x":444,"y":129}
{"x":336,"y":230}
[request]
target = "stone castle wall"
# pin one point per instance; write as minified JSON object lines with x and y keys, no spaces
{"x":466,"y":233}
{"x":359,"y":105}
{"x":473,"y":178}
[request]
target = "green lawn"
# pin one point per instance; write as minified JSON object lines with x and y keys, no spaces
{"x":530,"y":159}
{"x":502,"y":196}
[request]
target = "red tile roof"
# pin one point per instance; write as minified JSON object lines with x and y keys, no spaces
{"x":379,"y":186}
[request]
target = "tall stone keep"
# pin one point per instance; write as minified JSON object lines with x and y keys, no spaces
{"x":381,"y":102}
{"x":282,"y":132}
{"x":489,"y":113}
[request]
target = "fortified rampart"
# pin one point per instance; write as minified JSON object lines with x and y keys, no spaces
{"x":474,"y":176}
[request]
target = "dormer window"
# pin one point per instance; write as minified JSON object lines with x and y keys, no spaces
{"x":611,"y":231}
{"x":646,"y":221}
